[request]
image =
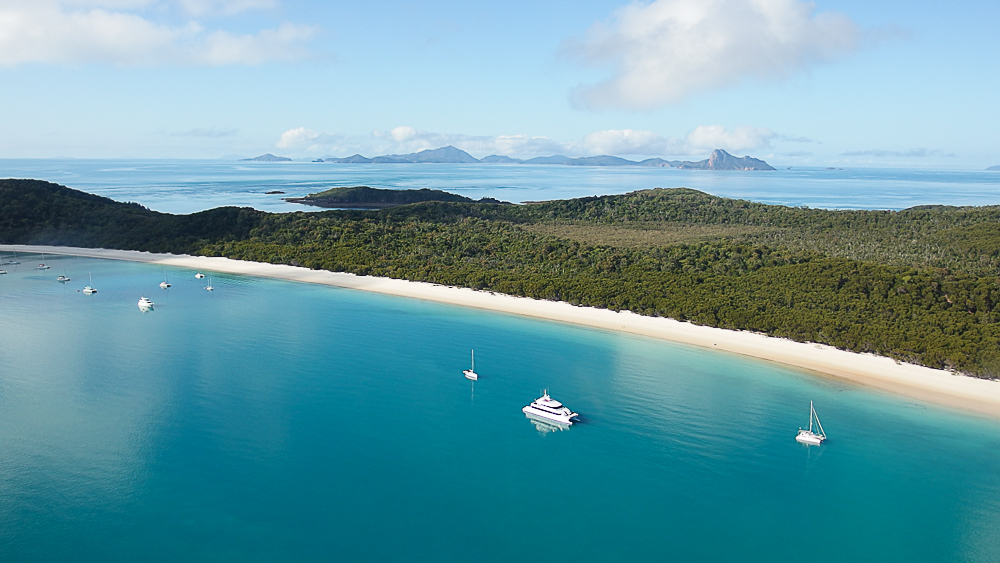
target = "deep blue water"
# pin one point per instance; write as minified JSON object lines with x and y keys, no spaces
{"x":186,"y":186}
{"x":275,"y":421}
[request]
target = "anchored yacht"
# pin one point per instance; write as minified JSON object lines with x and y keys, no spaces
{"x":471,"y":373}
{"x":548,"y":408}
{"x":808,"y":437}
{"x":89,"y":290}
{"x":42,"y":266}
{"x":199,"y":275}
{"x":145,"y":303}
{"x":62,"y":279}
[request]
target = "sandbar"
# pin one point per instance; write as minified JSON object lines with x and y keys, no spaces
{"x":940,"y":387}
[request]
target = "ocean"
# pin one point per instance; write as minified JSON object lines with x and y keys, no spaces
{"x":187,"y":186}
{"x":278,"y":421}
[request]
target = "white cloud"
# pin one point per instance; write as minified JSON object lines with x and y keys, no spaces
{"x":668,"y":50}
{"x":55,"y":32}
{"x":738,"y":139}
{"x":403,"y":133}
{"x":297,"y":138}
{"x":223,"y":7}
{"x":620,"y":142}
{"x":631,"y":142}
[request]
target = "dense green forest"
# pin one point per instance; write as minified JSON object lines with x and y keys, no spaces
{"x":374,"y":198}
{"x":920,"y":285}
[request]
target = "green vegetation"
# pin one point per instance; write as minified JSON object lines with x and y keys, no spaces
{"x":372,"y":198}
{"x":919,"y":285}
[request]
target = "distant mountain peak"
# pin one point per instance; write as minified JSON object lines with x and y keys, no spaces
{"x":268,"y":158}
{"x":722,"y":160}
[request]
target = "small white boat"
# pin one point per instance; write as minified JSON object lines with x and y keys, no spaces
{"x":209,"y":287}
{"x":809,"y":437}
{"x":550,"y":409}
{"x":63,"y":279}
{"x":41,"y":266}
{"x":199,"y":275}
{"x":2,"y":271}
{"x":145,"y":304}
{"x":164,"y":284}
{"x":89,"y":290}
{"x":13,"y":261}
{"x":471,"y":373}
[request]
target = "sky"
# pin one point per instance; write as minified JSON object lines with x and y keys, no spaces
{"x":830,"y":83}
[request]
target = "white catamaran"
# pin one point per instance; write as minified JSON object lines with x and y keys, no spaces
{"x":809,"y":437}
{"x":89,"y":290}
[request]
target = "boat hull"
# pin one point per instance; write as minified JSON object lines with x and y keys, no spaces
{"x":809,"y":438}
{"x":559,"y":418}
{"x":471,"y":375}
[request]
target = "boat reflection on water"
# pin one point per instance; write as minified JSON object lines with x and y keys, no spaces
{"x":545,"y":425}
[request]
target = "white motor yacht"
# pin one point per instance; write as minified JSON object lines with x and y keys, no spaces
{"x":551,"y":409}
{"x":808,"y":437}
{"x":471,"y":373}
{"x":145,"y":303}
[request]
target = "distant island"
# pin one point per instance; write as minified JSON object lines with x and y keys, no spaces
{"x":718,"y":160}
{"x":994,"y":169}
{"x":268,"y":158}
{"x":363,"y":197}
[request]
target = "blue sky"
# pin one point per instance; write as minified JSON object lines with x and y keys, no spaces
{"x":830,"y":83}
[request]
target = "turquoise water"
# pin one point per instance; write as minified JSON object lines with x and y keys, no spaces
{"x":186,"y":186}
{"x":274,"y":421}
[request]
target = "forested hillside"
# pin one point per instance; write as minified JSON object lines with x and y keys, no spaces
{"x":919,"y":285}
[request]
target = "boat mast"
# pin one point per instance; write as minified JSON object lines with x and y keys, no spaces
{"x":812,"y":413}
{"x":818,"y":423}
{"x":473,"y":360}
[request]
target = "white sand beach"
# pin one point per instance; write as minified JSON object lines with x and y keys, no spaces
{"x":925,"y":384}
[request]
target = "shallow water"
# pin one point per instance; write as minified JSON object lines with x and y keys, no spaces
{"x":186,"y":186}
{"x":275,"y":421}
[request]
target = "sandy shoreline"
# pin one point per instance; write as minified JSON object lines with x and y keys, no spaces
{"x":926,"y":384}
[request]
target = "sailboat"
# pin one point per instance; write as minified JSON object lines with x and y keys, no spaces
{"x":199,"y":275}
{"x":89,"y":289}
{"x":809,"y":437}
{"x":63,"y":278}
{"x":42,"y":266}
{"x":471,"y":373}
{"x":209,"y":287}
{"x":164,"y":284}
{"x":14,"y":262}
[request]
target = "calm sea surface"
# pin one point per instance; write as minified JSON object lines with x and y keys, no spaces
{"x":274,"y":421}
{"x":186,"y":186}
